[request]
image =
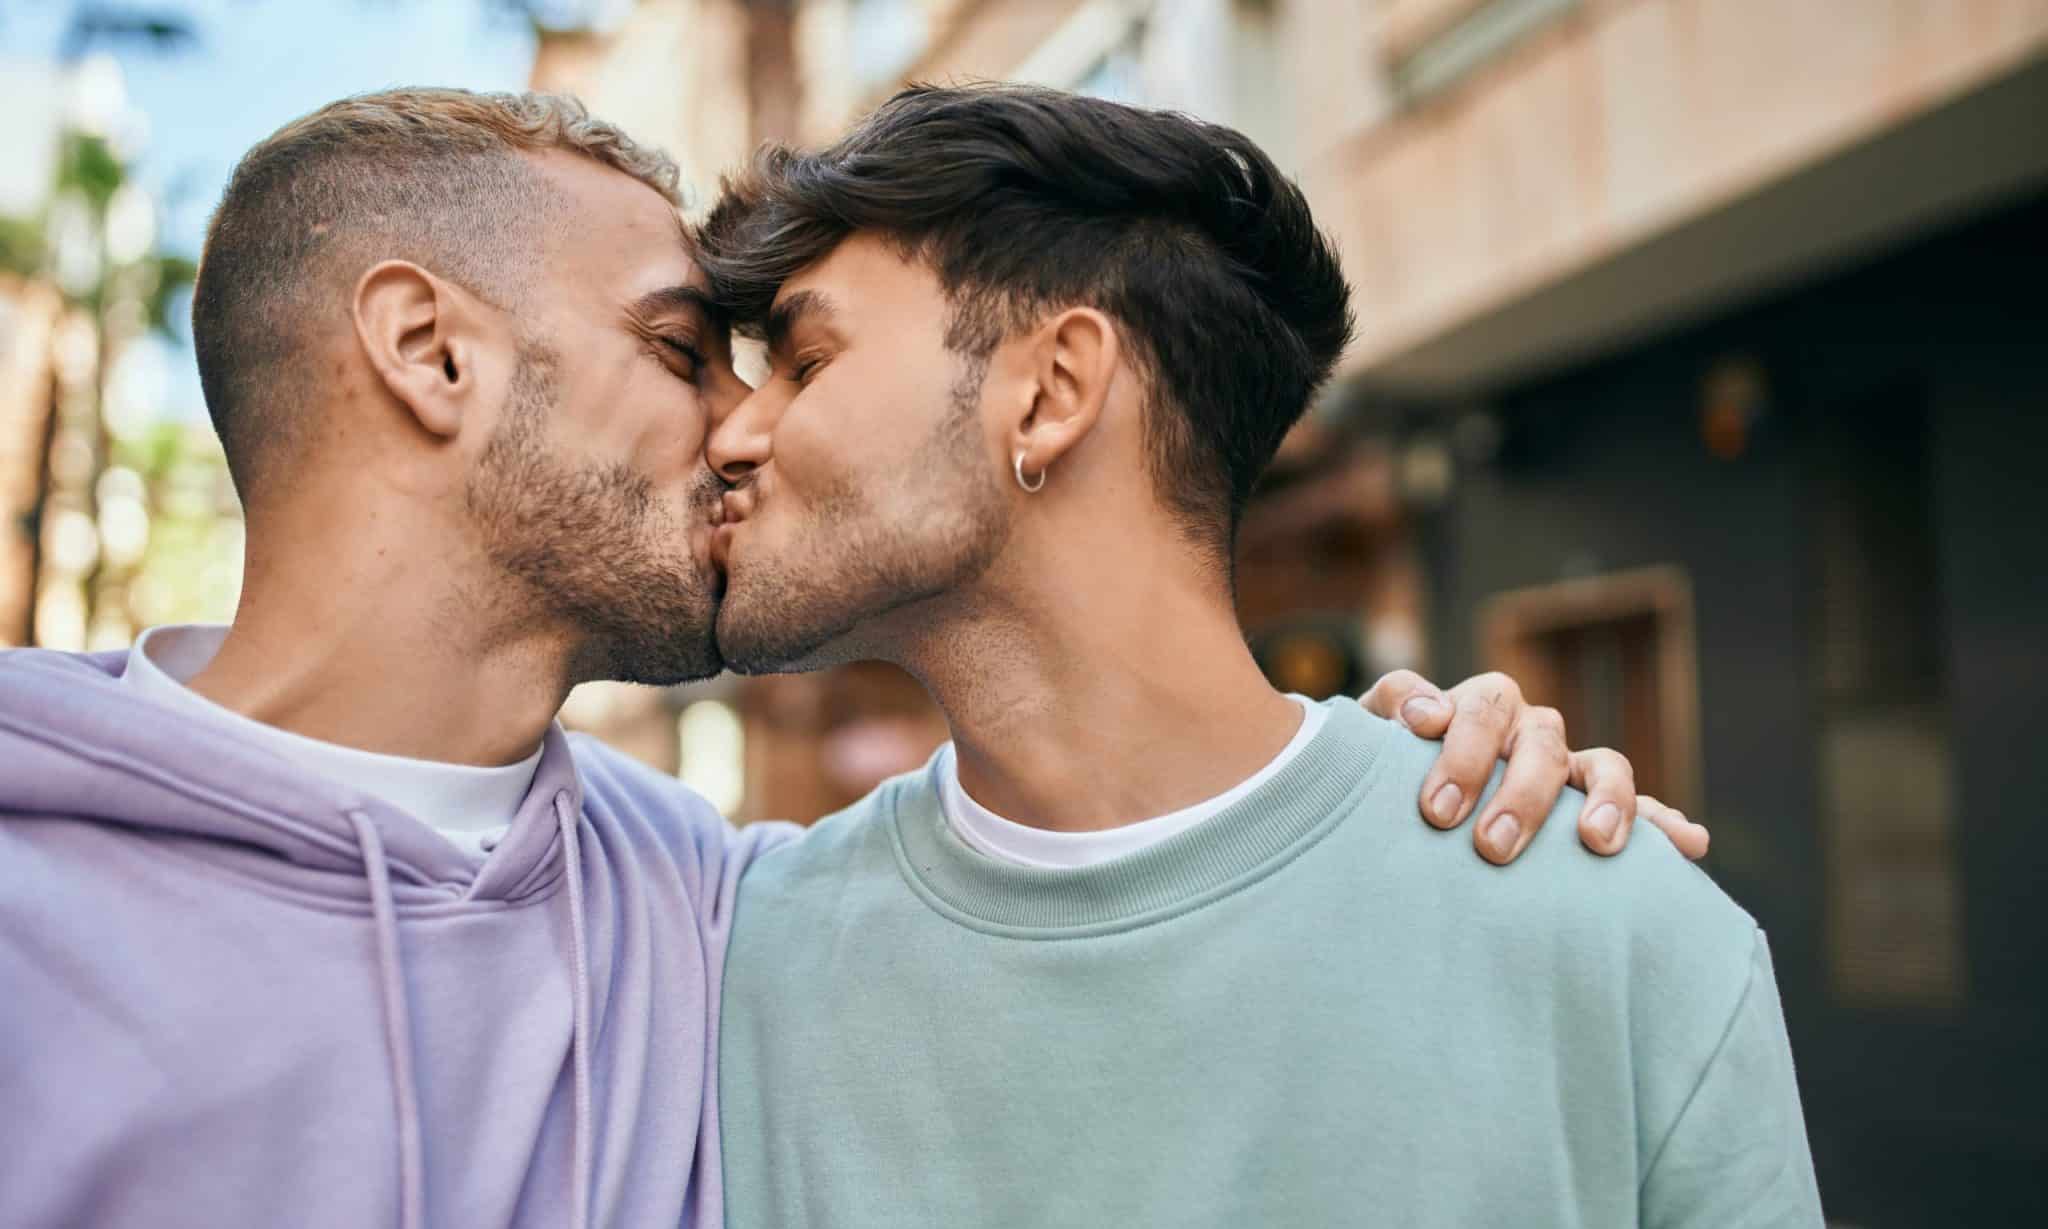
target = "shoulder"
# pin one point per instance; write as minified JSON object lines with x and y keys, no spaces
{"x":99,"y":666}
{"x":844,"y":845}
{"x":626,"y":794}
{"x":621,"y":783}
{"x":1643,"y":942}
{"x":1647,"y":910}
{"x":840,"y":878}
{"x":36,"y":677}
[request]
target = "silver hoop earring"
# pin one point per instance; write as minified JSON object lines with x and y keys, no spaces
{"x":1030,"y":488}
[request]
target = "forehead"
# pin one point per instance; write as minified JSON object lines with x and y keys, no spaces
{"x":619,"y":238}
{"x":868,"y":277}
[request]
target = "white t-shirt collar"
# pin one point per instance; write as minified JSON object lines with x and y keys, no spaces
{"x":989,"y":833}
{"x":468,"y":804}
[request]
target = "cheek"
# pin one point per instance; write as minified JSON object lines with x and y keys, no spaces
{"x":859,"y":425}
{"x":650,"y":420}
{"x":674,"y":440}
{"x":819,"y":458}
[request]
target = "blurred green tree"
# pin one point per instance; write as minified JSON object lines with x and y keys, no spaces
{"x":107,"y":466}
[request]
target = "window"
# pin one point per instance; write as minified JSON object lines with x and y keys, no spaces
{"x":1434,"y":44}
{"x":1893,"y":928}
{"x":1615,"y":655}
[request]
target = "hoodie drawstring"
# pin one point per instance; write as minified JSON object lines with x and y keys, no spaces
{"x":397,"y":1024}
{"x":579,"y":1036}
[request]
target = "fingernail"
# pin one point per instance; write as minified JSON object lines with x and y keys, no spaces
{"x":1606,"y":818}
{"x":1506,"y":830}
{"x":1419,"y":709}
{"x":1446,"y":802}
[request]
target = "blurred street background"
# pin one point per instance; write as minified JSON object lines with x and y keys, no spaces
{"x":1702,"y":385}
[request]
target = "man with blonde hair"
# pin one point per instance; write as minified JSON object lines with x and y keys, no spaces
{"x":319,"y":919}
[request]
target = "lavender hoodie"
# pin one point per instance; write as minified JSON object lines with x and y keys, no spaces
{"x":232,"y":994}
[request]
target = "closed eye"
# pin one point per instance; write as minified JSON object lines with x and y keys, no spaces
{"x":684,"y":352}
{"x":684,"y":349}
{"x":803,"y":369}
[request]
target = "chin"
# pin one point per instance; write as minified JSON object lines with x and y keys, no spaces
{"x":775,"y":635}
{"x":650,"y":658}
{"x":748,"y":648}
{"x":802,"y":605}
{"x":655,"y":634}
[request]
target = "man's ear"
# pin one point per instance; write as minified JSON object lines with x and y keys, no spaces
{"x":1074,"y":356}
{"x":419,"y":333}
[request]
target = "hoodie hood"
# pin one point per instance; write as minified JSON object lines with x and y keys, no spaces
{"x":241,"y":993}
{"x":80,"y":744}
{"x":88,"y":749}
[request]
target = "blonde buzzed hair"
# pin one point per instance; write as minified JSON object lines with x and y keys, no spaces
{"x":434,"y":176}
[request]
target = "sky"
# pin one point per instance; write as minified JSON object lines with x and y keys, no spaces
{"x":255,"y":65}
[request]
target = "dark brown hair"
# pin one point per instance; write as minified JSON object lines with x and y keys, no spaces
{"x":429,"y":175}
{"x":1025,"y":201}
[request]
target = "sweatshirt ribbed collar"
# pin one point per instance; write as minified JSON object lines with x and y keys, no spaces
{"x":1224,"y":853}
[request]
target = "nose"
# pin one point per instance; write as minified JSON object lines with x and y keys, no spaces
{"x":740,"y":441}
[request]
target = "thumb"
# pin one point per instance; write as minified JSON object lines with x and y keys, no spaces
{"x":1414,"y":701}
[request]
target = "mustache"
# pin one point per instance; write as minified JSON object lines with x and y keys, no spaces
{"x":706,"y":489}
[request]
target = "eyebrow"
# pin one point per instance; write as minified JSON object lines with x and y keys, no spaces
{"x":786,"y":315}
{"x":680,"y":299}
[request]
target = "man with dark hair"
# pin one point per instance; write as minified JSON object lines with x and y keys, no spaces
{"x":1163,"y":228}
{"x":318,"y":919}
{"x":1107,"y":960}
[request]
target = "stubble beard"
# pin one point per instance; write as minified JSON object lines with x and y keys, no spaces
{"x":818,"y":603}
{"x":592,"y":547}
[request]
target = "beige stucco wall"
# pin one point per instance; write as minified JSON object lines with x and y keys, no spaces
{"x":1522,"y":216}
{"x":1622,"y":120}
{"x":673,"y":75}
{"x":1484,"y":228}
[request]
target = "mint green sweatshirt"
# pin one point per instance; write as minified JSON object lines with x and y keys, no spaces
{"x":1312,"y":1009}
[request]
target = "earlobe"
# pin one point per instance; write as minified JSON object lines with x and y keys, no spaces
{"x":1077,"y":354}
{"x":404,"y":320}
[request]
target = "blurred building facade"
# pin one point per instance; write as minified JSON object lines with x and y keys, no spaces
{"x":1700,"y":384}
{"x":1714,"y":332}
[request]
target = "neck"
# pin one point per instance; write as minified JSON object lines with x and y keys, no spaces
{"x":361,"y":643}
{"x":1121,"y":692}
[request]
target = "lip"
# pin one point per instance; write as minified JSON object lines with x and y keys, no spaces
{"x":732,"y":508}
{"x":720,"y":548}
